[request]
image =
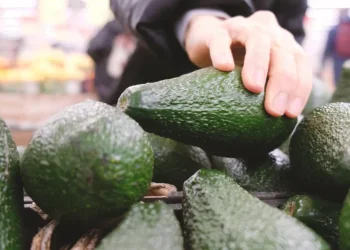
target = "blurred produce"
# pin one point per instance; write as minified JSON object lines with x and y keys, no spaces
{"x":342,"y":93}
{"x":49,"y":66}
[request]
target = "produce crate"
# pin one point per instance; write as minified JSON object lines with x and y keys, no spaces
{"x":40,"y":229}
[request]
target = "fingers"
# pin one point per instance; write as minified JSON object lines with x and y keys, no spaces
{"x":220,"y":51}
{"x":283,"y":78}
{"x":257,"y":42}
{"x":299,"y":97}
{"x":256,"y":62}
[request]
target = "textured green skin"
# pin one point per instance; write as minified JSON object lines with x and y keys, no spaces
{"x":148,"y":226}
{"x":320,"y":215}
{"x":319,"y":96}
{"x":90,"y":161}
{"x":11,"y":193}
{"x":271,"y":174}
{"x":342,"y":93}
{"x":175,"y":162}
{"x":344,"y":225}
{"x":319,"y":150}
{"x":210,"y":109}
{"x":219,"y":214}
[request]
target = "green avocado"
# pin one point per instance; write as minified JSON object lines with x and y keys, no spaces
{"x":319,"y":151}
{"x":320,"y":215}
{"x":344,"y":225}
{"x":209,"y":109}
{"x":342,"y":92}
{"x":147,"y":226}
{"x":91,"y":161}
{"x":271,"y":174}
{"x":219,"y":214}
{"x":11,"y":193}
{"x":175,"y":162}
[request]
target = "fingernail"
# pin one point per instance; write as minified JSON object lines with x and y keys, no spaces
{"x":280,"y":102}
{"x":259,"y":78}
{"x":296,"y":106}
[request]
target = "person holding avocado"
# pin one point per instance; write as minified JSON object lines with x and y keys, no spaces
{"x":178,"y":36}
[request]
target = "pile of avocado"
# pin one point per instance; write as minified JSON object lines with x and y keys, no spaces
{"x":204,"y":133}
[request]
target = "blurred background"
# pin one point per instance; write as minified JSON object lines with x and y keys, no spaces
{"x":47,"y":49}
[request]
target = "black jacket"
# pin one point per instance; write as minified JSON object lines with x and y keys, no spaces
{"x":159,"y":54}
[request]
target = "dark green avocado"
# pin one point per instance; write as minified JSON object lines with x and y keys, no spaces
{"x":90,"y":162}
{"x":344,"y":225}
{"x":271,"y":174}
{"x":320,"y":215}
{"x":319,"y":151}
{"x":209,"y":109}
{"x":147,"y":226}
{"x":11,"y":193}
{"x":175,"y":162}
{"x":219,"y":214}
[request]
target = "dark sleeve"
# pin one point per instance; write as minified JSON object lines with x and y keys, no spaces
{"x":101,"y":44}
{"x":152,"y":21}
{"x":290,"y":15}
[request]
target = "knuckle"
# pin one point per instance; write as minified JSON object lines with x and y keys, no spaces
{"x":266,"y":15}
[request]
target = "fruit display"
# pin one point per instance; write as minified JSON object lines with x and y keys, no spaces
{"x":189,"y":163}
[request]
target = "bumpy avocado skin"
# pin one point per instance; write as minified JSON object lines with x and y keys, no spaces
{"x":175,"y":162}
{"x":319,"y":151}
{"x":320,"y":215}
{"x":91,"y":161}
{"x":219,"y":214}
{"x":342,"y":93}
{"x":209,"y":109}
{"x":11,"y":193}
{"x":270,"y":174}
{"x":147,"y":226}
{"x":344,"y":225}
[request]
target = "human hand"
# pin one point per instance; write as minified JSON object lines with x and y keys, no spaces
{"x":263,"y":48}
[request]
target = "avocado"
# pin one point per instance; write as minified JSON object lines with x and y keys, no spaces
{"x":219,"y":214}
{"x":210,"y":109}
{"x":147,"y":226}
{"x":272,"y":174}
{"x":175,"y":162}
{"x":90,"y":161}
{"x":344,"y":225}
{"x":342,"y":92}
{"x":320,"y":215}
{"x":319,"y":151}
{"x":319,"y":96}
{"x":11,"y":193}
